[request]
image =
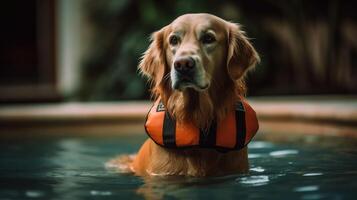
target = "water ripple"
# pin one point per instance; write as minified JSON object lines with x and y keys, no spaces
{"x":254,"y":180}
{"x":257,"y":169}
{"x":100,"y":193}
{"x":34,"y":193}
{"x":309,"y":188}
{"x":313,"y":174}
{"x":283,"y":153}
{"x":260,"y":145}
{"x":255,"y":155}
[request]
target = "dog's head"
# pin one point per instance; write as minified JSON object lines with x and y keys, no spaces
{"x":198,"y":53}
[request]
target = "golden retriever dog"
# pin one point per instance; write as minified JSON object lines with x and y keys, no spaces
{"x":196,"y":66}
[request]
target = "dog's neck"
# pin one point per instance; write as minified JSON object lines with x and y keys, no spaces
{"x":200,"y":108}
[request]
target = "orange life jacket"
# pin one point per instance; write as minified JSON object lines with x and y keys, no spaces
{"x":232,"y":133}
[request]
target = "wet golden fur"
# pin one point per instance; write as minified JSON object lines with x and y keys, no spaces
{"x":225,"y":69}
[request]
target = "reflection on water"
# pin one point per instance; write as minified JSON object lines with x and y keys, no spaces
{"x":309,"y":188}
{"x":254,"y":180}
{"x":260,"y":145}
{"x":257,"y":169}
{"x":254,"y":155}
{"x":34,"y":194}
{"x":313,"y":174}
{"x":73,"y":168}
{"x":283,"y":153}
{"x":100,"y":193}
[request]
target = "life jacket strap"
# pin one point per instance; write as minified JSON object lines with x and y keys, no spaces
{"x":208,"y":137}
{"x":169,"y":128}
{"x":240,"y":125}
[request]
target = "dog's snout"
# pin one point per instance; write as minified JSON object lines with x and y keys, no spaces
{"x":184,"y":64}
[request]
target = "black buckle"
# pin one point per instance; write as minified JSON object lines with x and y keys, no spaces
{"x":160,"y":107}
{"x":239,"y":106}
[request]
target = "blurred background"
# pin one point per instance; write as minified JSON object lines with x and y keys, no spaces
{"x":68,"y":68}
{"x":88,"y":50}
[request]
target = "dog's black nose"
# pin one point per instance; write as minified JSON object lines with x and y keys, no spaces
{"x":184,"y":64}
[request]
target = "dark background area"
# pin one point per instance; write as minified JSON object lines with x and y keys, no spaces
{"x":306,"y":47}
{"x":28,"y":51}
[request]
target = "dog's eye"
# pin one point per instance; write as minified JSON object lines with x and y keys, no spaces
{"x":208,"y":38}
{"x":173,"y":40}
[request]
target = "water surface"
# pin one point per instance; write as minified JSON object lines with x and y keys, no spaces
{"x":73,"y":168}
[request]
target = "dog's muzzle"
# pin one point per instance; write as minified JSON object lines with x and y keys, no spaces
{"x":184,"y":65}
{"x":184,"y":73}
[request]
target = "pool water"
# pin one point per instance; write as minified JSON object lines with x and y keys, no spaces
{"x":74,"y":168}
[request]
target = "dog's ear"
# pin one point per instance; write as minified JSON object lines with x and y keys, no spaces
{"x":153,"y":62}
{"x":241,"y":54}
